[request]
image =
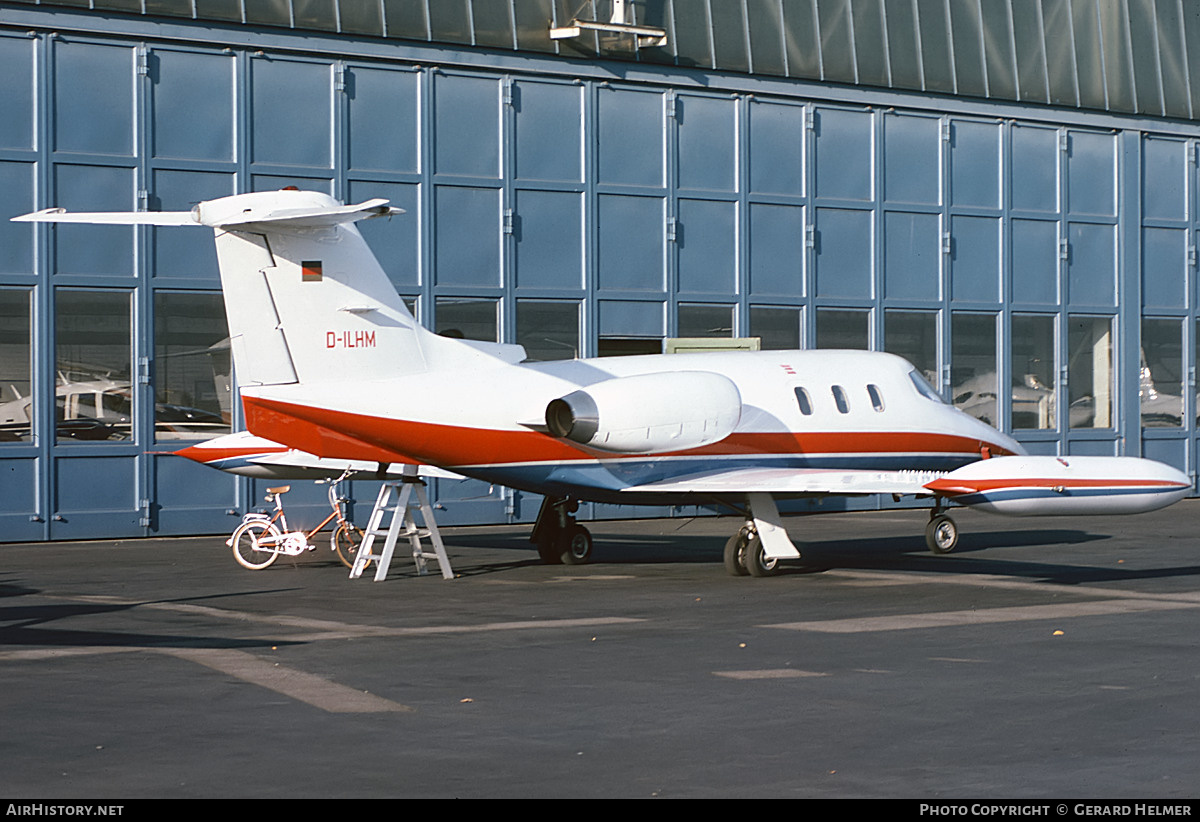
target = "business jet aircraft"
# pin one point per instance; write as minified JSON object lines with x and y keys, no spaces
{"x":332,"y":363}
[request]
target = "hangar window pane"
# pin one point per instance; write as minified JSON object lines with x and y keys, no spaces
{"x":913,"y":336}
{"x":1092,"y":265}
{"x":800,"y":39}
{"x":93,"y":365}
{"x":192,"y":368}
{"x":778,"y":329}
{"x":1090,"y":372}
{"x":705,"y":321}
{"x":1031,"y":51}
{"x":467,"y":319}
{"x":843,"y":328}
{"x":974,"y":377}
{"x":406,"y":18}
{"x":1160,"y":378}
{"x":1033,"y":368}
{"x":935,"y":45}
{"x":16,"y":396}
{"x":548,"y":330}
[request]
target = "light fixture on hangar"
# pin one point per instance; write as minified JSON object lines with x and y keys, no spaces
{"x":621,"y":30}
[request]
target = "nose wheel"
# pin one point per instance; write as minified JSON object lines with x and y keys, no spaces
{"x":941,"y":534}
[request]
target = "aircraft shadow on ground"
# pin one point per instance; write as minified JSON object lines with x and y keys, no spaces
{"x":883,"y":553}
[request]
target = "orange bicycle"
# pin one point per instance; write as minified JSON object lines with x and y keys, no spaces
{"x":260,"y":539}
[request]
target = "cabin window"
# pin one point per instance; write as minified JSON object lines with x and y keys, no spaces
{"x":802,"y":399}
{"x":840,"y":400}
{"x":876,"y":397}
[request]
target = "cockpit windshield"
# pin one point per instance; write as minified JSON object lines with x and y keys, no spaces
{"x":924,"y":388}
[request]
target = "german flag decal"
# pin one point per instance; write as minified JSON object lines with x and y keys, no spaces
{"x":310,"y":271}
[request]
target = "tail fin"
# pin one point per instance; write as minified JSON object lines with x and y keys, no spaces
{"x":306,"y":299}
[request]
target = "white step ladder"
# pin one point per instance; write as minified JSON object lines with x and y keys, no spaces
{"x":403,"y":523}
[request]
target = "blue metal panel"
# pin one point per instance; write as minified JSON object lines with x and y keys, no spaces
{"x":17,"y":92}
{"x":1164,"y":268}
{"x":776,"y":155}
{"x":630,"y":243}
{"x":16,"y":197}
{"x":844,"y":154}
{"x":382,"y":134}
{"x":548,"y":126}
{"x":1035,"y":261}
{"x":912,"y":255}
{"x":1092,"y":265}
{"x":93,"y":98}
{"x":20,"y":516}
{"x":549,"y":239}
{"x":631,"y":318}
{"x":707,"y":143}
{"x":466,"y":116}
{"x":1091,"y":174}
{"x":975,"y":170}
{"x":975,"y":259}
{"x":1034,"y":167}
{"x":707,"y":243}
{"x":186,"y":252}
{"x":396,"y":241}
{"x":1164,"y":179}
{"x":844,"y":258}
{"x":467,"y":242}
{"x":192,"y":105}
{"x":191,"y":498}
{"x":91,"y":249}
{"x":291,"y":112}
{"x":776,"y":242}
{"x":1171,"y":450}
{"x":630,"y":137}
{"x":95,"y":496}
{"x":912,"y":164}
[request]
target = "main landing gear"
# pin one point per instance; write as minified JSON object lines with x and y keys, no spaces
{"x":941,"y":534}
{"x":560,"y":540}
{"x":744,"y":554}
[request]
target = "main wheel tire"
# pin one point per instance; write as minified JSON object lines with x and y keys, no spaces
{"x":575,"y":545}
{"x":941,"y":534}
{"x":735,"y":555}
{"x":246,"y":549}
{"x":346,"y":541}
{"x":756,"y":560}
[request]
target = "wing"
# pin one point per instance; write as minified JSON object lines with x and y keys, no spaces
{"x":795,"y":481}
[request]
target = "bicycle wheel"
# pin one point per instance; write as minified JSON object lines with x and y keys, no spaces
{"x":246,"y":544}
{"x":346,"y":541}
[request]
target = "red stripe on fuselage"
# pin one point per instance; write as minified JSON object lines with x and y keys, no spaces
{"x":345,"y":435}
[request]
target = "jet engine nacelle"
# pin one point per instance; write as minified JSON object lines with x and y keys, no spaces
{"x":648,"y":413}
{"x":1046,"y":486}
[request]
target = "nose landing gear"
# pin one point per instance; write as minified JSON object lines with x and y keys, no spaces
{"x":941,"y":534}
